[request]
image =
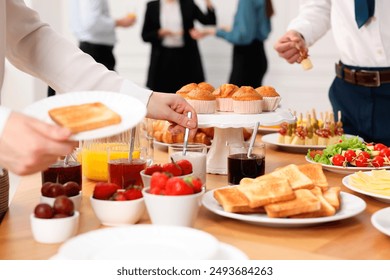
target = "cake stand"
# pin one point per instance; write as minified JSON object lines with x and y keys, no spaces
{"x":228,"y":128}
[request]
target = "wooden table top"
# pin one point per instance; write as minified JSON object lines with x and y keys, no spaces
{"x":352,"y":238}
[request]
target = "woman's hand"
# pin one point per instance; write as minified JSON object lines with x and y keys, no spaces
{"x":173,"y":108}
{"x":28,"y":145}
{"x":291,"y":46}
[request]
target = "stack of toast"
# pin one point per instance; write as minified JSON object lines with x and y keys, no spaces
{"x":293,"y":191}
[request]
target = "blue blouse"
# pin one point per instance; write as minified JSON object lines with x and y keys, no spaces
{"x":250,"y":23}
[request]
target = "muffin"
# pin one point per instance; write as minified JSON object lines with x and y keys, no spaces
{"x":206,"y":86}
{"x":271,"y":98}
{"x":223,"y":95}
{"x":246,"y":100}
{"x":186,"y":89}
{"x":202,"y":100}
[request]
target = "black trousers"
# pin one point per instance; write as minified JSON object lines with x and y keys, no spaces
{"x":101,"y":53}
{"x":249,"y":64}
{"x":365,"y":110}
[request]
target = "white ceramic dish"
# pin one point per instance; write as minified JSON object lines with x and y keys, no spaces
{"x":141,"y":242}
{"x":131,"y":110}
{"x":376,"y":196}
{"x":272,"y":139}
{"x":345,"y":170}
{"x":118,"y":213}
{"x":351,"y":205}
{"x":381,"y":220}
{"x":55,"y":230}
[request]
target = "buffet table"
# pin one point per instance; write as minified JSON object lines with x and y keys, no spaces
{"x":353,"y":238}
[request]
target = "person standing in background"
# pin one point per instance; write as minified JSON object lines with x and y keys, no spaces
{"x":175,"y":58}
{"x":361,"y":87}
{"x":94,"y":28}
{"x":251,"y":28}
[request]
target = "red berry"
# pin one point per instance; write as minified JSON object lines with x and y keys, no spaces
{"x":118,"y":196}
{"x":185,"y":165}
{"x":104,"y":190}
{"x":177,"y":186}
{"x":133,"y":193}
{"x":195,"y":183}
{"x":153,"y":168}
{"x":158,"y":180}
{"x":172,"y":168}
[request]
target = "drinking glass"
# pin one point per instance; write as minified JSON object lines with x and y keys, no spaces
{"x":122,"y":169}
{"x":241,"y":166}
{"x":195,"y":153}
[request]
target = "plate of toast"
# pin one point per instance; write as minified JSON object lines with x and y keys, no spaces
{"x":350,"y":206}
{"x":90,"y":114}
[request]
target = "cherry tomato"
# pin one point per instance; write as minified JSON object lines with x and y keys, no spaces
{"x":378,"y":161}
{"x":365,"y":154}
{"x":338,"y":160}
{"x":350,"y":155}
{"x":313,"y":153}
{"x":361,"y":161}
{"x":379,"y":146}
{"x":385,"y":152}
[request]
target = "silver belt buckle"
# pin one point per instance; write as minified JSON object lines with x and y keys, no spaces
{"x":376,"y":81}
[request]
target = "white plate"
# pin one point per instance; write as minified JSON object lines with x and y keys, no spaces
{"x":381,"y":220}
{"x":351,"y":205}
{"x":229,"y":252}
{"x":272,"y":139}
{"x":131,"y":110}
{"x":345,"y":169}
{"x":225,"y":252}
{"x":141,"y":242}
{"x":380,"y":197}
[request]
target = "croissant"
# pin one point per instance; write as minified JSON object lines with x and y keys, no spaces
{"x":201,"y":137}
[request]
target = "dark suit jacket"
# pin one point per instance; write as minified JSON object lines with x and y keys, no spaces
{"x":190,"y":52}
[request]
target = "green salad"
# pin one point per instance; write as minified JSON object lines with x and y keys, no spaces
{"x":345,"y":144}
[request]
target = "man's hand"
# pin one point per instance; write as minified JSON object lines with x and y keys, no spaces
{"x":291,"y":46}
{"x":173,"y":108}
{"x":28,"y":145}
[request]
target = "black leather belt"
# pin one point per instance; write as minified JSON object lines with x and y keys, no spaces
{"x":366,"y":78}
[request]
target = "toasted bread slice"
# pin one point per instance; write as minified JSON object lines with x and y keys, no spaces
{"x":332,"y":195}
{"x":296,"y":178}
{"x":263,"y":192}
{"x":316,"y":174}
{"x":84,"y":117}
{"x":234,"y":201}
{"x":305,"y":201}
{"x":326,"y":208}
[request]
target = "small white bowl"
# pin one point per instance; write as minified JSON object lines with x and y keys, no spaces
{"x":146,"y":178}
{"x":118,"y":213}
{"x":76,"y":200}
{"x":54,"y":230}
{"x":173,"y":210}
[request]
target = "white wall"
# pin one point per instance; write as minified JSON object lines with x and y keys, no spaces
{"x":300,"y":90}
